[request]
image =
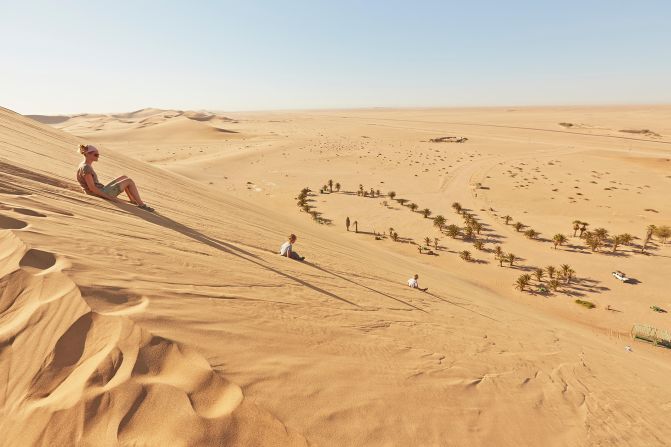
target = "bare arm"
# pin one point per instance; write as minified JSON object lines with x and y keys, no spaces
{"x":95,"y":190}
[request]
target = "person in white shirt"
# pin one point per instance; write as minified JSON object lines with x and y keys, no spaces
{"x":413,"y":283}
{"x":287,"y":249}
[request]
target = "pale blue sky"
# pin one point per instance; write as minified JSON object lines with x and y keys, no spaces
{"x":94,"y":56}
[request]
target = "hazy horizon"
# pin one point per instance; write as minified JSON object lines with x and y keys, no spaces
{"x":262,"y":56}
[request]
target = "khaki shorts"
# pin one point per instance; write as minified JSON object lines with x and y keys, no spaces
{"x":112,"y":189}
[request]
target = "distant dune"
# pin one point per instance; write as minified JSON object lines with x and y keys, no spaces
{"x":175,"y":125}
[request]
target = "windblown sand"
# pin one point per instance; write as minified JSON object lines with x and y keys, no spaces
{"x":184,"y":327}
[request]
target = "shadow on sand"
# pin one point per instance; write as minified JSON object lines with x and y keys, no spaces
{"x":166,"y":222}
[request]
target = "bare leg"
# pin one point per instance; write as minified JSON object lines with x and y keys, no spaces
{"x":129,"y":187}
{"x":119,"y":179}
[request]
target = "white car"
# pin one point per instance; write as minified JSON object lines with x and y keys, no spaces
{"x":620,"y":275}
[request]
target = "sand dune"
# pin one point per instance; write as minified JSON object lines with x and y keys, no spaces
{"x":144,"y":125}
{"x":336,"y":349}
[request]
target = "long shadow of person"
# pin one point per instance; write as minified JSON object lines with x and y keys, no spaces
{"x":170,"y":224}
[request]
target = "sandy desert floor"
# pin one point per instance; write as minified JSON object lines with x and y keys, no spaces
{"x":114,"y":321}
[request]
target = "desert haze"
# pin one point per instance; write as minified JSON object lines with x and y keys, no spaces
{"x":184,"y":327}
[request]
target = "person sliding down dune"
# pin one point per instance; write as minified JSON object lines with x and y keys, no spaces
{"x":287,"y":249}
{"x":88,"y":180}
{"x":413,"y":283}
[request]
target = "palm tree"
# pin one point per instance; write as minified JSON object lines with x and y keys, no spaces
{"x":394,"y":236}
{"x":337,"y":187}
{"x":593,"y":241}
{"x":648,"y":237}
{"x":479,"y":245}
{"x":507,"y":219}
{"x":583,"y":227}
{"x":413,"y":207}
{"x":626,"y":238}
{"x":469,"y":233}
{"x":465,"y":255}
{"x":377,"y":192}
{"x":391,"y":231}
{"x":391,"y":194}
{"x":457,"y":207}
{"x":518,"y":226}
{"x":617,"y":240}
{"x":554,"y":284}
{"x":567,"y":272}
{"x":522,"y":281}
{"x":372,"y":192}
{"x":439,"y":221}
{"x":452,"y":231}
{"x":498,"y":252}
{"x":601,"y":234}
{"x":576,"y":227}
{"x":435,"y":242}
{"x":558,"y":239}
{"x":402,"y":201}
{"x":663,"y":232}
{"x":551,"y":271}
{"x":650,"y":231}
{"x":330,"y":185}
{"x":427,"y":241}
{"x":511,"y":258}
{"x":538,"y":273}
{"x":306,"y":208}
{"x":477,"y":226}
{"x":426,"y":212}
{"x":502,"y":258}
{"x":531,"y":233}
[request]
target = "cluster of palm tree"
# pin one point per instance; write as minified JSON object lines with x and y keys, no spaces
{"x":599,"y":237}
{"x":565,"y":272}
{"x":662,"y":232}
{"x":596,"y":239}
{"x":428,"y":240}
{"x":465,"y":255}
{"x":365,"y":193}
{"x":502,"y":257}
{"x":393,"y":234}
{"x":579,"y":226}
{"x":302,"y":202}
{"x":329,"y":186}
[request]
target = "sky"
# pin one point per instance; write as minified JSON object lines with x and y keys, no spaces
{"x":99,"y":56}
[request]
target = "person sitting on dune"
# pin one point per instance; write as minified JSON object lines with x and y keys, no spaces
{"x":287,"y":249}
{"x":88,"y":180}
{"x":413,"y":283}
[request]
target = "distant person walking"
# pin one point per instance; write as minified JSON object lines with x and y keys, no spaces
{"x":347,"y":223}
{"x":414,"y":283}
{"x":287,"y":249}
{"x":88,"y":180}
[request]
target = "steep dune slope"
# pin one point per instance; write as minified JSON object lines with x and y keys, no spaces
{"x":74,"y":376}
{"x":335,"y":348}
